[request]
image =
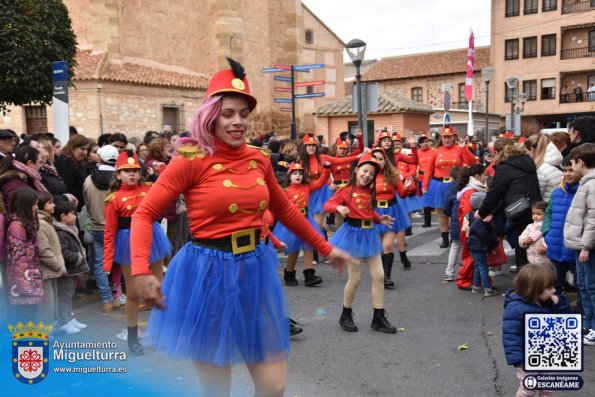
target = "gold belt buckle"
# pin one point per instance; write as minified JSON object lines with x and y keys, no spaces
{"x":366,"y":223}
{"x":303,"y":211}
{"x":382,"y":204}
{"x":251,"y":246}
{"x":447,"y":180}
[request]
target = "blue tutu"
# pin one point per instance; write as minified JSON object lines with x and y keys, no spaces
{"x":221,"y":308}
{"x":398,"y":212}
{"x":358,"y":242}
{"x":318,"y":198}
{"x":294,"y":243}
{"x":412,"y":203}
{"x":160,"y":246}
{"x":434,"y":197}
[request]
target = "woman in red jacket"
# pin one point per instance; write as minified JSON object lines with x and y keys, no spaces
{"x":437,"y":177}
{"x":225,"y":303}
{"x":388,"y":185}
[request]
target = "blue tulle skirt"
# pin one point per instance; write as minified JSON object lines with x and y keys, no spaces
{"x":160,"y":247}
{"x":398,"y":212}
{"x":434,"y":197}
{"x":318,"y":198}
{"x":294,"y":243}
{"x":412,"y":203}
{"x":358,"y":242}
{"x":221,"y":308}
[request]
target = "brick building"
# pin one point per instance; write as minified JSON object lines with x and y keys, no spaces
{"x":147,"y":63}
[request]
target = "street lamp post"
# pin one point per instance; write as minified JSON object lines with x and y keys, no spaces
{"x":486,"y":74}
{"x":512,"y":82}
{"x":356,"y":49}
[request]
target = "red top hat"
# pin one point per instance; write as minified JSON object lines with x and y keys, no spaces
{"x":127,"y":161}
{"x":294,"y":167}
{"x":384,"y":134}
{"x":377,"y":150}
{"x":423,"y":137}
{"x":231,"y":80}
{"x":341,"y":144}
{"x":310,"y":140}
{"x":397,"y":137}
{"x":448,"y":131}
{"x":369,"y":159}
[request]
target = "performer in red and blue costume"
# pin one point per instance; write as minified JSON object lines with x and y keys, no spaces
{"x":437,"y":178}
{"x":224,"y":301}
{"x":424,"y":155}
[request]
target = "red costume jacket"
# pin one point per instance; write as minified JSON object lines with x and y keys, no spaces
{"x":225,"y":192}
{"x":300,"y":194}
{"x":386,"y":191}
{"x":317,"y":167}
{"x":413,"y":159}
{"x":359,"y":202}
{"x":268,"y":220}
{"x":443,"y":159}
{"x":424,"y":159}
{"x":120,"y":204}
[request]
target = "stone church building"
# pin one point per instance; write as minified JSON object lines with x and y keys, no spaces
{"x":145,"y":63}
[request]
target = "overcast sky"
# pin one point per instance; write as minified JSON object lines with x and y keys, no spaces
{"x":398,"y":27}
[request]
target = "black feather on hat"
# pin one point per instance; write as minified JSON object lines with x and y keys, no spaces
{"x":237,"y":68}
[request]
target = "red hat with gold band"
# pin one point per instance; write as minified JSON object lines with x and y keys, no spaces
{"x":384,"y":134}
{"x":127,"y":160}
{"x":295,"y":167}
{"x":397,"y":137}
{"x":310,"y":140}
{"x":231,"y":81}
{"x":369,"y":159}
{"x":448,"y":131}
{"x":341,"y":144}
{"x":422,"y":137}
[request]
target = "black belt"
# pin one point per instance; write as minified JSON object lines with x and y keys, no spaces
{"x":124,"y":223}
{"x":386,"y":203}
{"x":341,"y":182}
{"x":237,"y":243}
{"x":363,"y":223}
{"x":445,"y":180}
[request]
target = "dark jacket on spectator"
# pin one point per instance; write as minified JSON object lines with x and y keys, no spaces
{"x":72,"y":249}
{"x":73,"y":176}
{"x":482,"y":236}
{"x":451,"y":206}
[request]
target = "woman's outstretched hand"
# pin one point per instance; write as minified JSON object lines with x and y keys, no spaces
{"x":339,"y":259}
{"x":148,"y":289}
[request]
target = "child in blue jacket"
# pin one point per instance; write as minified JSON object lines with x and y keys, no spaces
{"x":482,"y":239}
{"x":451,"y":208}
{"x":534,"y":292}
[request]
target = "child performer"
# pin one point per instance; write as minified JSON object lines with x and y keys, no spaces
{"x":531,"y":238}
{"x":357,"y":236}
{"x":534,"y":293}
{"x":388,"y":184}
{"x":424,"y":155}
{"x":298,"y":191}
{"x":127,"y":191}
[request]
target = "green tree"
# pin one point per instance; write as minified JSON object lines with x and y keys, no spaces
{"x":33,"y":33}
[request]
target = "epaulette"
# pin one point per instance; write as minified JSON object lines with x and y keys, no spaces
{"x":263,"y":151}
{"x":148,"y":183}
{"x":109,"y":198}
{"x":190,"y":152}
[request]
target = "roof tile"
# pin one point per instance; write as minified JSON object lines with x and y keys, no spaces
{"x":388,"y":102}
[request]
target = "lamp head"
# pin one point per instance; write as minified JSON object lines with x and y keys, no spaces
{"x":523,"y":97}
{"x":512,"y":82}
{"x":486,"y":74}
{"x":356,"y":49}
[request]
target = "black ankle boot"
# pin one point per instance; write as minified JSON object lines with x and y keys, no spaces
{"x":445,"y":241}
{"x":289,"y":278}
{"x":346,"y":320}
{"x":380,"y":323}
{"x":427,"y":217}
{"x":387,"y":265}
{"x":293,"y":328}
{"x":311,"y":278}
{"x":405,"y":260}
{"x":136,"y":349}
{"x":408,"y":231}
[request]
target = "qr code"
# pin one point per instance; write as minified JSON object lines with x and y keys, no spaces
{"x":553,"y":342}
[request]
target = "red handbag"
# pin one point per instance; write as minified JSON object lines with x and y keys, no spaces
{"x":497,"y":256}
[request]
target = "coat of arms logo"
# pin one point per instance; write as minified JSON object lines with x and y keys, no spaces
{"x":30,"y":351}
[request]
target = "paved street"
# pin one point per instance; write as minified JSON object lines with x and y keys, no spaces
{"x":422,"y":360}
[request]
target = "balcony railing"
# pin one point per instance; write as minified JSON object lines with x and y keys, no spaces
{"x":574,"y":53}
{"x":577,"y":98}
{"x":573,"y":7}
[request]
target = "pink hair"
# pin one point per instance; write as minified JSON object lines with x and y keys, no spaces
{"x":202,"y":129}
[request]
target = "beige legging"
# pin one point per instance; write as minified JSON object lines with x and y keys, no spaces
{"x":355,"y":276}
